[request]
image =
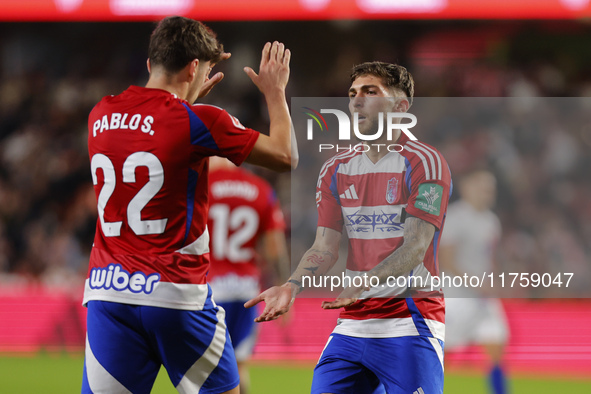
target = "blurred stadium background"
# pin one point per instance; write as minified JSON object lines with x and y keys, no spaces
{"x":59,"y":57}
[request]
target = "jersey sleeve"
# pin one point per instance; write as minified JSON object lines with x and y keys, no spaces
{"x":214,"y":132}
{"x":329,"y":208}
{"x":429,"y":183}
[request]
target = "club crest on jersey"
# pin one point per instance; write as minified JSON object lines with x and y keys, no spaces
{"x":392,"y":190}
{"x":115,"y":277}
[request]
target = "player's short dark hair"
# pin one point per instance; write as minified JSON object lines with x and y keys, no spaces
{"x":393,"y":76}
{"x":176,"y":41}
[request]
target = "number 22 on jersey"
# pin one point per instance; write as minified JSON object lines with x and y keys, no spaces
{"x":139,"y":201}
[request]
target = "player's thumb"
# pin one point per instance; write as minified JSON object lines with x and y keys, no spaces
{"x":250,"y":72}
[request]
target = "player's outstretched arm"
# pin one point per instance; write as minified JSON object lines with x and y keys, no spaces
{"x":318,"y":260}
{"x":418,"y":235}
{"x":278,"y":151}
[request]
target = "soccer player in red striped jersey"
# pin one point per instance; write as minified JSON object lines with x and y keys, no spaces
{"x":247,"y":241}
{"x":392,"y":205}
{"x":146,"y":292}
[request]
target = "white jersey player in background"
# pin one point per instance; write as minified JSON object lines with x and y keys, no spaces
{"x":468,"y":244}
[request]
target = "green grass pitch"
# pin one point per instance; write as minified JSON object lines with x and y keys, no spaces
{"x":62,"y":373}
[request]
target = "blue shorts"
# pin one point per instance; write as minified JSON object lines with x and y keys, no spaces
{"x":127,"y":344}
{"x":241,"y":327}
{"x":409,"y":365}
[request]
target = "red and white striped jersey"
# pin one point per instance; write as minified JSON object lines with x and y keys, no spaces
{"x":371,"y":200}
{"x":149,"y":162}
{"x":242,"y":208}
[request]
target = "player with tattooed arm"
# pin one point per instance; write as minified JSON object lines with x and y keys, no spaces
{"x":387,"y":338}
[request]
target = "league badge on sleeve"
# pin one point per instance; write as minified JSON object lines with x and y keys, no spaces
{"x":392,"y":191}
{"x":237,"y":123}
{"x":429,"y":198}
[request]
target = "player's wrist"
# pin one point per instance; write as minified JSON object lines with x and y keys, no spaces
{"x":275,"y":93}
{"x":295,"y":286}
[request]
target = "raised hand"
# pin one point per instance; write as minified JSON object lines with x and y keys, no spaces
{"x":274,"y":68}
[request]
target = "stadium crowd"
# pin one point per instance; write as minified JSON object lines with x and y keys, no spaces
{"x":51,"y":75}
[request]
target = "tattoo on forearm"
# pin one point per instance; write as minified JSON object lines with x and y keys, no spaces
{"x":312,"y":270}
{"x":315,"y":259}
{"x":324,"y":252}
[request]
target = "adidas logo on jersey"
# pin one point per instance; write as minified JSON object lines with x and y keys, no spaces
{"x":419,"y":391}
{"x":350,"y":193}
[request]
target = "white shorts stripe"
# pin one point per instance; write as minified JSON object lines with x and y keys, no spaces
{"x":423,"y":159}
{"x":438,"y":349}
{"x":325,"y":346}
{"x":199,"y":372}
{"x":99,"y":379}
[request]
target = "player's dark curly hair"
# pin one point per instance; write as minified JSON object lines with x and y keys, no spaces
{"x":392,"y":75}
{"x":176,"y":41}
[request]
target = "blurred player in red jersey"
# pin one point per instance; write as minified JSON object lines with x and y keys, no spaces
{"x":468,"y":246}
{"x":244,"y":217}
{"x":392,"y":204}
{"x":146,"y":292}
